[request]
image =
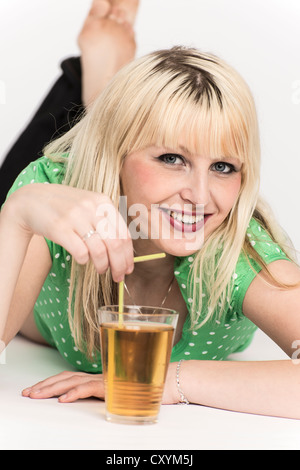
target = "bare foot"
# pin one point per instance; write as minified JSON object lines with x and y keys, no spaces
{"x":106,"y":42}
{"x":128,"y":7}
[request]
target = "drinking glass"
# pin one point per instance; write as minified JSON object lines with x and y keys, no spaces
{"x":136,"y":346}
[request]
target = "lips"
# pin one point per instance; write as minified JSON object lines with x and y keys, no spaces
{"x":185,"y":218}
{"x":183,"y":221}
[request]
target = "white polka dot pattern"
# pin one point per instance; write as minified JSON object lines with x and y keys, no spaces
{"x":215,"y":340}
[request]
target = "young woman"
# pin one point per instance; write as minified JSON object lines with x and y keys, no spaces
{"x":175,"y":133}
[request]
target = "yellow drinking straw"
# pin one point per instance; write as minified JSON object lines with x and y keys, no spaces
{"x":136,"y":259}
{"x":121,"y":296}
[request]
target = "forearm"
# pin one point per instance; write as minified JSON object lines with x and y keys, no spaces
{"x":261,"y":387}
{"x":13,"y":247}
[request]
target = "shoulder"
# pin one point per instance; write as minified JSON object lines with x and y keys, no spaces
{"x":272,"y":302}
{"x":266,"y":252}
{"x":42,"y":170}
{"x":263,"y":250}
{"x":262,"y":242}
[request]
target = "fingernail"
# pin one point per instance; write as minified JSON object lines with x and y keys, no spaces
{"x":129,"y":270}
{"x":63,"y":397}
{"x":26,"y":391}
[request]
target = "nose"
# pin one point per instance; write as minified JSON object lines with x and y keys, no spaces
{"x":195,"y":189}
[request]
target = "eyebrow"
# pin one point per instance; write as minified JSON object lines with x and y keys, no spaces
{"x":216,"y":159}
{"x":185,"y":150}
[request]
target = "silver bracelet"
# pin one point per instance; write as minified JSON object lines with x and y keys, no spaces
{"x":183,"y":400}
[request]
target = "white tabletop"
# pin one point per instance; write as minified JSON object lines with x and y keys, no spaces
{"x":48,"y":424}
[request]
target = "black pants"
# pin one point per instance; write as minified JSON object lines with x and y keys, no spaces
{"x":55,"y":116}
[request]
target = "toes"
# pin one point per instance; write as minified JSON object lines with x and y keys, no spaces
{"x":100,"y":8}
{"x":118,"y":15}
{"x":128,"y":7}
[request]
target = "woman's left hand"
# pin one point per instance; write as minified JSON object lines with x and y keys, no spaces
{"x":71,"y":386}
{"x":68,"y":387}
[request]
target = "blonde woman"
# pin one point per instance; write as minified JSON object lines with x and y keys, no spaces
{"x":175,"y":133}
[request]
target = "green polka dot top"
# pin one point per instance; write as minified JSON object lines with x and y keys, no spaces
{"x":216,"y":340}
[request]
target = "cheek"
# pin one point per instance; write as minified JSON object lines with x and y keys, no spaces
{"x":235,"y":189}
{"x":139,"y":181}
{"x":228,"y":193}
{"x":143,"y":175}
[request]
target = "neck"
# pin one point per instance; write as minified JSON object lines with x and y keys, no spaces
{"x":154,"y":269}
{"x":151,"y":281}
{"x":157,"y":268}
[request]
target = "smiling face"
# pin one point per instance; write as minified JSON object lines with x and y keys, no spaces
{"x":181,"y":131}
{"x":185,"y":196}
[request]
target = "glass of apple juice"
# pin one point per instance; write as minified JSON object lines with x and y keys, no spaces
{"x":136,"y":347}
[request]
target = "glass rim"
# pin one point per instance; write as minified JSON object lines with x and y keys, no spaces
{"x":138,"y":310}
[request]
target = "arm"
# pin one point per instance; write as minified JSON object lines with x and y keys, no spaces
{"x":261,"y":387}
{"x":13,"y":247}
{"x":35,"y":268}
{"x":24,"y":264}
{"x":63,"y":215}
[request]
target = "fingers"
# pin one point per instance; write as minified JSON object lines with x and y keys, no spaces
{"x":97,"y":252}
{"x":96,"y":231}
{"x":92,"y":388}
{"x":115,"y":254}
{"x":85,"y":223}
{"x":117,"y":240}
{"x":110,"y":245}
{"x":68,"y":386}
{"x":74,"y":245}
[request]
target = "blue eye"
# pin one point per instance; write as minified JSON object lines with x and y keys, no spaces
{"x":222,"y":167}
{"x":171,"y":158}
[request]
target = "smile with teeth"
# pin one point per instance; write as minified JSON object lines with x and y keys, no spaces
{"x":185,"y":218}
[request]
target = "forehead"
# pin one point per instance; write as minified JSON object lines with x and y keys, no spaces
{"x":197,"y":131}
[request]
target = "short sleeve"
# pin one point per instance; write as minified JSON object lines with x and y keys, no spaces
{"x":44,"y":171}
{"x":247,"y":268}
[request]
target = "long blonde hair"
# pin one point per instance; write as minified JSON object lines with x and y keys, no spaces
{"x":155,"y":100}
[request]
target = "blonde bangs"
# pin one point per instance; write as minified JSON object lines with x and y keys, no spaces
{"x":173,"y":119}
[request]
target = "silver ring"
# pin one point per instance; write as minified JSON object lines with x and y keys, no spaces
{"x":89,"y":234}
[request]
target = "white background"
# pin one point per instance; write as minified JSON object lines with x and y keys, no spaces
{"x":261,"y":38}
